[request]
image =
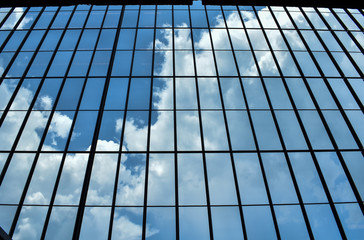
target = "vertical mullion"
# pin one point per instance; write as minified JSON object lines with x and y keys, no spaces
{"x":208,"y":203}
{"x":341,"y":44}
{"x":288,"y":161}
{"x":347,"y":30}
{"x":6,"y":70}
{"x":353,"y":19}
{"x":318,"y":168}
{"x":87,"y":177}
{"x":327,"y":128}
{"x":145,"y":205}
{"x":360,"y":72}
{"x":342,"y":75}
{"x":175,"y":124}
{"x":348,"y":123}
{"x":6,"y":17}
{"x":3,"y":116}
{"x":226,"y":124}
{"x":112,"y":213}
{"x":31,"y":171}
{"x":15,"y":26}
{"x":60,"y":169}
{"x":254,"y":134}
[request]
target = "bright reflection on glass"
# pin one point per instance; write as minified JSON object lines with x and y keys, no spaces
{"x":179,"y":121}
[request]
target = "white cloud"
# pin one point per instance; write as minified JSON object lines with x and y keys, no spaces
{"x":132,"y":171}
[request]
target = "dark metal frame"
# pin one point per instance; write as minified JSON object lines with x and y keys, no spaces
{"x":87,"y":177}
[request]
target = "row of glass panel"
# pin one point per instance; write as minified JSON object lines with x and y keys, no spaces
{"x":144,"y":39}
{"x":191,"y":188}
{"x":178,"y":63}
{"x":191,"y":183}
{"x":135,"y":130}
{"x":193,"y":222}
{"x":185,"y":93}
{"x":180,"y":18}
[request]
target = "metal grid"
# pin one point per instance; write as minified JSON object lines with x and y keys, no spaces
{"x":346,"y":75}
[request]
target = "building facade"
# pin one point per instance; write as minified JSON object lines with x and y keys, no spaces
{"x":181,"y":122}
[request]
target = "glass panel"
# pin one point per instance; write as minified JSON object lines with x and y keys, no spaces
{"x":255,"y":93}
{"x":259,"y":222}
{"x":220,"y":179}
{"x":59,"y":64}
{"x":250,"y":179}
{"x":277,"y":93}
{"x":186,"y":93}
{"x":161,"y":222}
{"x":80,"y":63}
{"x":289,"y":228}
{"x":51,"y":40}
{"x":83,"y":131}
{"x":92,"y":94}
{"x":142,"y":65}
{"x":279,"y":178}
{"x":116,"y":95}
{"x":33,"y":40}
{"x":352,"y":220}
{"x":162,"y":131}
{"x":343,"y":94}
{"x":215,"y":137}
{"x":265,"y":130}
{"x":128,"y":223}
{"x":188,"y":131}
{"x":161,"y":179}
{"x":290,"y":130}
{"x":335,"y":177}
{"x":136,"y":129}
{"x":30,"y":223}
{"x":15,"y":178}
{"x":61,"y":222}
{"x":131,"y":180}
{"x":39,"y":64}
{"x":307,"y":178}
{"x":122,"y":63}
{"x":193,"y":223}
{"x":139,"y":95}
{"x":246,"y":63}
{"x":58,"y":131}
{"x":240,"y":131}
{"x":354,"y":162}
{"x":324,"y":226}
{"x":100,"y":63}
{"x":299,"y":93}
{"x":95,"y":222}
{"x":191,"y":183}
{"x":73,"y":172}
{"x":226,"y":223}
{"x":88,"y":39}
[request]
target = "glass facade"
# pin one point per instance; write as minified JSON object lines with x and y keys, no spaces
{"x":181,"y":122}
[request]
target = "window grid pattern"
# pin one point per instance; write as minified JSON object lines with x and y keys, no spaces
{"x":169,"y":122}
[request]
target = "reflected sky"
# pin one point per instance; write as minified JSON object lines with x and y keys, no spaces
{"x":203,"y":97}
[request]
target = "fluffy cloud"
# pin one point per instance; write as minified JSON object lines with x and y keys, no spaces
{"x":132,"y":167}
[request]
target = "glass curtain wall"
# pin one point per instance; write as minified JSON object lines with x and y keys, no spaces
{"x":181,"y":122}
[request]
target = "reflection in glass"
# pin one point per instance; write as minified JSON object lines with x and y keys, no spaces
{"x":290,"y":222}
{"x":220,"y":179}
{"x":226,"y":223}
{"x":161,"y":179}
{"x":191,"y":184}
{"x":30,"y":223}
{"x":161,"y":222}
{"x":259,"y":222}
{"x":250,"y":179}
{"x":323,"y":222}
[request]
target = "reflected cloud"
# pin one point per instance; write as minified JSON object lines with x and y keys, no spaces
{"x":161,"y":181}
